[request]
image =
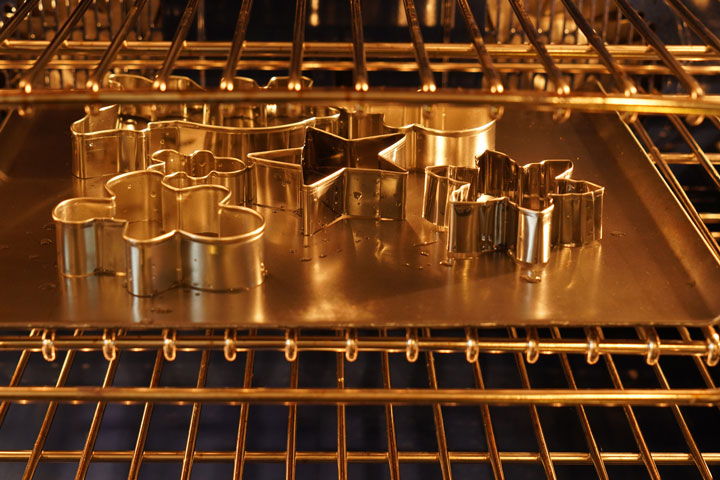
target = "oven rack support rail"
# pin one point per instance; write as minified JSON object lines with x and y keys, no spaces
{"x":106,"y":47}
{"x":426,"y":346}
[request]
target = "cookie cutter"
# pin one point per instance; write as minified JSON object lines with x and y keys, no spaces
{"x":162,"y":231}
{"x":116,"y":139}
{"x":332,"y":177}
{"x":440,"y":134}
{"x":202,"y":167}
{"x":500,"y":204}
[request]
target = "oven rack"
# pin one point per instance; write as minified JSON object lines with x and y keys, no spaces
{"x":628,"y":378}
{"x":511,"y":41}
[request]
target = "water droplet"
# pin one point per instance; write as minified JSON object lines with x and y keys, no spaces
{"x":50,"y":226}
{"x":422,"y":244}
{"x":47,"y":286}
{"x":425,"y":254}
{"x":34,"y":256}
{"x":322,"y":255}
{"x":153,"y":194}
{"x":531,"y":277}
{"x":357,"y":195}
{"x":306,"y":246}
{"x":367,"y":237}
{"x":357,"y":240}
{"x":406,"y":264}
{"x":305,"y":259}
{"x":617,"y":233}
{"x":339,"y":250}
{"x":420,"y":267}
{"x":45,"y":241}
{"x":446,"y":263}
{"x":130,"y":187}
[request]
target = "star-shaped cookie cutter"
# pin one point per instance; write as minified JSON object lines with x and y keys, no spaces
{"x":440,"y":134}
{"x":500,"y":204}
{"x":163,"y":231}
{"x":332,"y":177}
{"x":116,"y":139}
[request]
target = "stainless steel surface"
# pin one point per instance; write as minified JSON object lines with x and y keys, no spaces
{"x":500,"y":205}
{"x":649,"y":268}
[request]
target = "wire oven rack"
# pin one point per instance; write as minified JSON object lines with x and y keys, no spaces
{"x":518,"y":402}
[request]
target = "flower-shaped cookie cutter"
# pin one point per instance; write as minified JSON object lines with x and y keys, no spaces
{"x":332,"y":177}
{"x":500,"y":204}
{"x":162,"y":232}
{"x":116,"y":139}
{"x":202,"y":167}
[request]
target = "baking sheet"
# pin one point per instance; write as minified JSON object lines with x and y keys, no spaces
{"x":650,"y":268}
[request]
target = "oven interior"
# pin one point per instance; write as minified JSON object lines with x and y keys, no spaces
{"x":436,"y":399}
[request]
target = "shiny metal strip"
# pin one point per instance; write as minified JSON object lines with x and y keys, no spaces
{"x":176,"y":45}
{"x":584,"y":422}
{"x":493,"y":77}
{"x":426,"y":75}
{"x":22,"y":12}
{"x":87,"y":453}
{"x":630,"y":416}
{"x":561,"y":86}
{"x":689,"y":158}
{"x":493,"y":454}
{"x":291,"y":450}
{"x":29,"y":76}
{"x":704,"y":161}
{"x":240,"y":451}
{"x":296,"y":57}
{"x":17,"y":375}
{"x":392,"y":452}
{"x":535,"y":100}
{"x":34,"y":458}
{"x":96,"y":76}
{"x":445,"y":467}
{"x":189,"y":455}
{"x":695,"y":453}
{"x":342,"y":453}
{"x":621,"y":78}
{"x":544,"y":454}
{"x":510,"y":457}
{"x":138,"y":453}
{"x":226,"y":81}
{"x":360,"y":64}
{"x":391,"y":344}
{"x":693,"y":87}
{"x":678,"y":190}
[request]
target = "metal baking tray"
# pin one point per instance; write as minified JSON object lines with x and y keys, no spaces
{"x":651,"y":267}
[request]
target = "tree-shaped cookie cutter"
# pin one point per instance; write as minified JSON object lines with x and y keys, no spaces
{"x":121,"y":138}
{"x":500,"y":204}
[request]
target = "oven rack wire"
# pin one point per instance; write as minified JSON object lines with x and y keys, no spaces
{"x":519,"y":349}
{"x":637,"y":365}
{"x":509,"y":43}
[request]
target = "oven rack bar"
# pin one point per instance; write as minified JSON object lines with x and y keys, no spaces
{"x":350,"y":343}
{"x":489,"y":399}
{"x":532,"y":56}
{"x":366,"y":396}
{"x":560,"y":458}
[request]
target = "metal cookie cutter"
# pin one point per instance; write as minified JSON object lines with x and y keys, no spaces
{"x":437,"y":135}
{"x":162,"y":231}
{"x":502,"y":205}
{"x":203,"y":168}
{"x":117,"y":139}
{"x":332,"y":177}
